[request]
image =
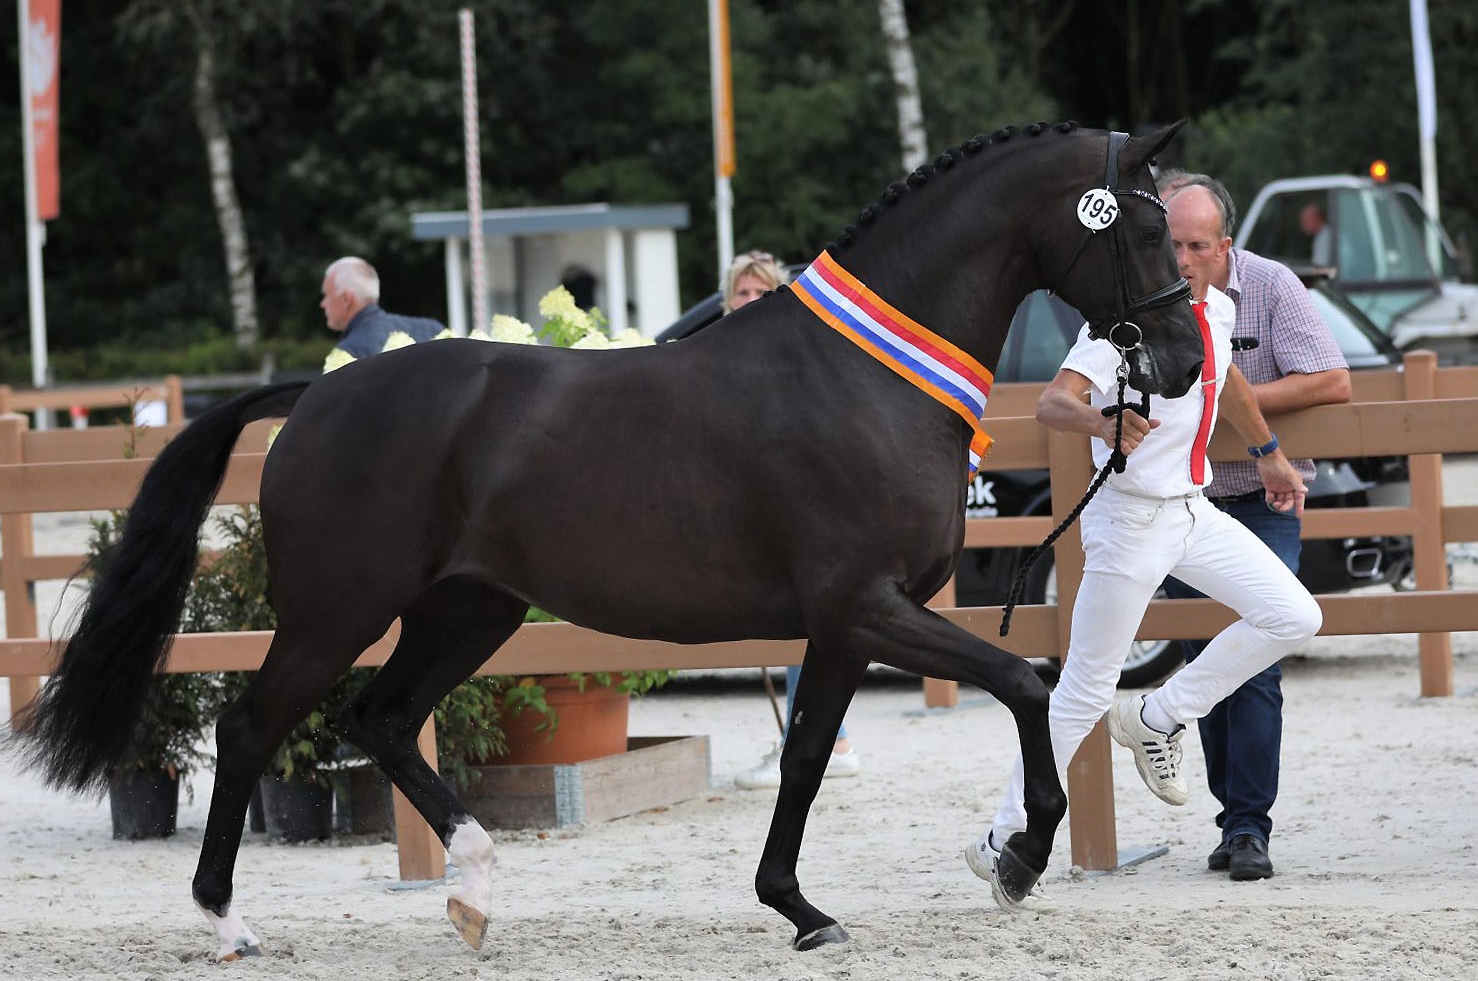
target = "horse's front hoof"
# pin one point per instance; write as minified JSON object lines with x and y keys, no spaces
{"x":1014,"y":876}
{"x":232,"y":954}
{"x":471,"y":924}
{"x":832,"y":934}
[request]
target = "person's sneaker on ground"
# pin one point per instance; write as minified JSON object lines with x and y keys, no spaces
{"x":1247,"y":859}
{"x":983,"y":859}
{"x":847,"y":764}
{"x":764,"y":775}
{"x":1156,"y":754}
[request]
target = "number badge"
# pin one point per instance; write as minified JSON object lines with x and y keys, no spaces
{"x":1097,"y":209}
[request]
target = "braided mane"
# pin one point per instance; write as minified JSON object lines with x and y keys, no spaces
{"x":916,"y":181}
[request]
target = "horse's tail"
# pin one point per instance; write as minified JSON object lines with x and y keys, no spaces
{"x":79,"y":725}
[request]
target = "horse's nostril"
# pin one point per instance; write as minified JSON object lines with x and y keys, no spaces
{"x":1194,"y":375}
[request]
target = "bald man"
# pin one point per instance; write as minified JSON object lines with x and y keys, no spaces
{"x":1285,"y":350}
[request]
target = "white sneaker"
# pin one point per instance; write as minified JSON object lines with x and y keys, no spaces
{"x":847,"y":764}
{"x":1156,"y":754}
{"x":982,"y":859}
{"x":764,"y":775}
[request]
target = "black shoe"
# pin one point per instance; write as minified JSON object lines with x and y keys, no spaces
{"x":1221,"y":858}
{"x":1248,"y":859}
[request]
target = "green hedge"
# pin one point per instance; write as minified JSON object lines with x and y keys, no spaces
{"x":114,"y":362}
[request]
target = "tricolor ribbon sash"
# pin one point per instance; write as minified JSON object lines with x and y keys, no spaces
{"x":1208,"y":397}
{"x":923,"y":358}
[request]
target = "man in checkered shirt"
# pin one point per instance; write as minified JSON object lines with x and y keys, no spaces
{"x":1287,"y":352}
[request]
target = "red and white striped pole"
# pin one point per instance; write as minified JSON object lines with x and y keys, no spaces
{"x":474,"y":174}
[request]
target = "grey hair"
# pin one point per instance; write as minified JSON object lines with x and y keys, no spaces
{"x":1172,"y":182}
{"x":356,"y":276}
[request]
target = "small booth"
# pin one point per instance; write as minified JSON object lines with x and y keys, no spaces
{"x":621,"y":258}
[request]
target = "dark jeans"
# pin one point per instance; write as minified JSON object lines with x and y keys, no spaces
{"x":1242,"y":736}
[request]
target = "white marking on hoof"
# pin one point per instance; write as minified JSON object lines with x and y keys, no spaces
{"x":237,"y":941}
{"x":471,"y":851}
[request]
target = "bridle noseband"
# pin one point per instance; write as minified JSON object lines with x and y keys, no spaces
{"x":1111,"y":327}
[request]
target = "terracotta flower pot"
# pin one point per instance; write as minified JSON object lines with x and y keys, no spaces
{"x":592,"y":723}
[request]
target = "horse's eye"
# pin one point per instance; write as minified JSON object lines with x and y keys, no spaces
{"x":1151,"y":234}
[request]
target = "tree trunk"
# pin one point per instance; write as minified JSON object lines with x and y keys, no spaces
{"x":223,"y":192}
{"x":911,"y":136}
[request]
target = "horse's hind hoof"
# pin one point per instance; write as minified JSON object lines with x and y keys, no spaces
{"x":471,"y":925}
{"x":833,"y":934}
{"x":1014,"y":876}
{"x":238,"y":953}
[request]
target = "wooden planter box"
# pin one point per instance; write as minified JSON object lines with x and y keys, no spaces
{"x":654,"y":771}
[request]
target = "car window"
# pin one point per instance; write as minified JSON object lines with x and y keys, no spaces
{"x":1041,"y":333}
{"x":1355,"y":340}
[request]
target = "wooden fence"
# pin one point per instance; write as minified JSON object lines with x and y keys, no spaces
{"x":170,"y":391}
{"x":1420,"y":411}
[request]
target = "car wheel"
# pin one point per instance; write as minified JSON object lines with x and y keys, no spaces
{"x":1148,"y":661}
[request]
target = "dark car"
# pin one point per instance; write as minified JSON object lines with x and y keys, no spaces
{"x":1042,"y":331}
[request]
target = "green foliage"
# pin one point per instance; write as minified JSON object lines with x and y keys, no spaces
{"x":214,"y":354}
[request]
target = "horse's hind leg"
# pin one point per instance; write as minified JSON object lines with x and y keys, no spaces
{"x":298,"y":672}
{"x":444,"y":637}
{"x":826,"y":686}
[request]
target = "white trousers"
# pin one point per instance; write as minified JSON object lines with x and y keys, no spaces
{"x":1130,"y":545}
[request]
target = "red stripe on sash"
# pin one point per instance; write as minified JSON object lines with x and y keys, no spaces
{"x":1208,"y":397}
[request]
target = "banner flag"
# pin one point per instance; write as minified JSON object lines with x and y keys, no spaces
{"x":43,"y":54}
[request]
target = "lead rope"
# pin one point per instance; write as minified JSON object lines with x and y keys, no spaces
{"x":1116,"y":463}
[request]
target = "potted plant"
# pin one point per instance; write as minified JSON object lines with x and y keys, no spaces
{"x":144,"y":788}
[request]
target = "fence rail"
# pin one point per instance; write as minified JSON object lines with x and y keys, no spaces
{"x":1420,"y":411}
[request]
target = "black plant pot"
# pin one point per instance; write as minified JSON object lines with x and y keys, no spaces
{"x":144,"y":804}
{"x":362,"y":802}
{"x":296,"y":810}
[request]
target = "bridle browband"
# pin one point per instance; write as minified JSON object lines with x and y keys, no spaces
{"x":1105,"y":327}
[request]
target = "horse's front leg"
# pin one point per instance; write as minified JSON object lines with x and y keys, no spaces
{"x":823,"y":693}
{"x":897,"y":631}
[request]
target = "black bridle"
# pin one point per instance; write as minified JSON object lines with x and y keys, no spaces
{"x":1105,"y":327}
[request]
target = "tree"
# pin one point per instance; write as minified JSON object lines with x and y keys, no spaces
{"x":912,"y":139}
{"x":239,"y":275}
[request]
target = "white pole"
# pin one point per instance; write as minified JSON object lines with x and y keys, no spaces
{"x":1426,"y":106}
{"x":474,"y":175}
{"x":35,"y":229}
{"x":723,"y":130}
{"x":456,"y":294}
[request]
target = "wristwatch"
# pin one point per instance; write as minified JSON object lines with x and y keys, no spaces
{"x":1264,"y":449}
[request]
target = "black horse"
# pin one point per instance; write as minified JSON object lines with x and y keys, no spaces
{"x":443,"y":484}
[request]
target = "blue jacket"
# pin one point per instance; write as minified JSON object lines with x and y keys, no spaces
{"x":367,"y":332}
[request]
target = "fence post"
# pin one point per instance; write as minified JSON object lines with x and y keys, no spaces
{"x":421,"y":853}
{"x":18,"y":540}
{"x":1428,"y":546}
{"x":1090,"y":773}
{"x":174,"y":398}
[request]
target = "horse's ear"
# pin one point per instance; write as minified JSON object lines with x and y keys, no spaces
{"x":1140,"y":150}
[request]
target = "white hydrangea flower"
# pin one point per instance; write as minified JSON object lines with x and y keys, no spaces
{"x":510,"y":330}
{"x":397,"y":340}
{"x":630,"y":337}
{"x":559,"y":304}
{"x":593,"y":341}
{"x":445,"y":333}
{"x":336,"y":359}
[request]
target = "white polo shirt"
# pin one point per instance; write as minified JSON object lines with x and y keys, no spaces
{"x":1161,"y":465}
